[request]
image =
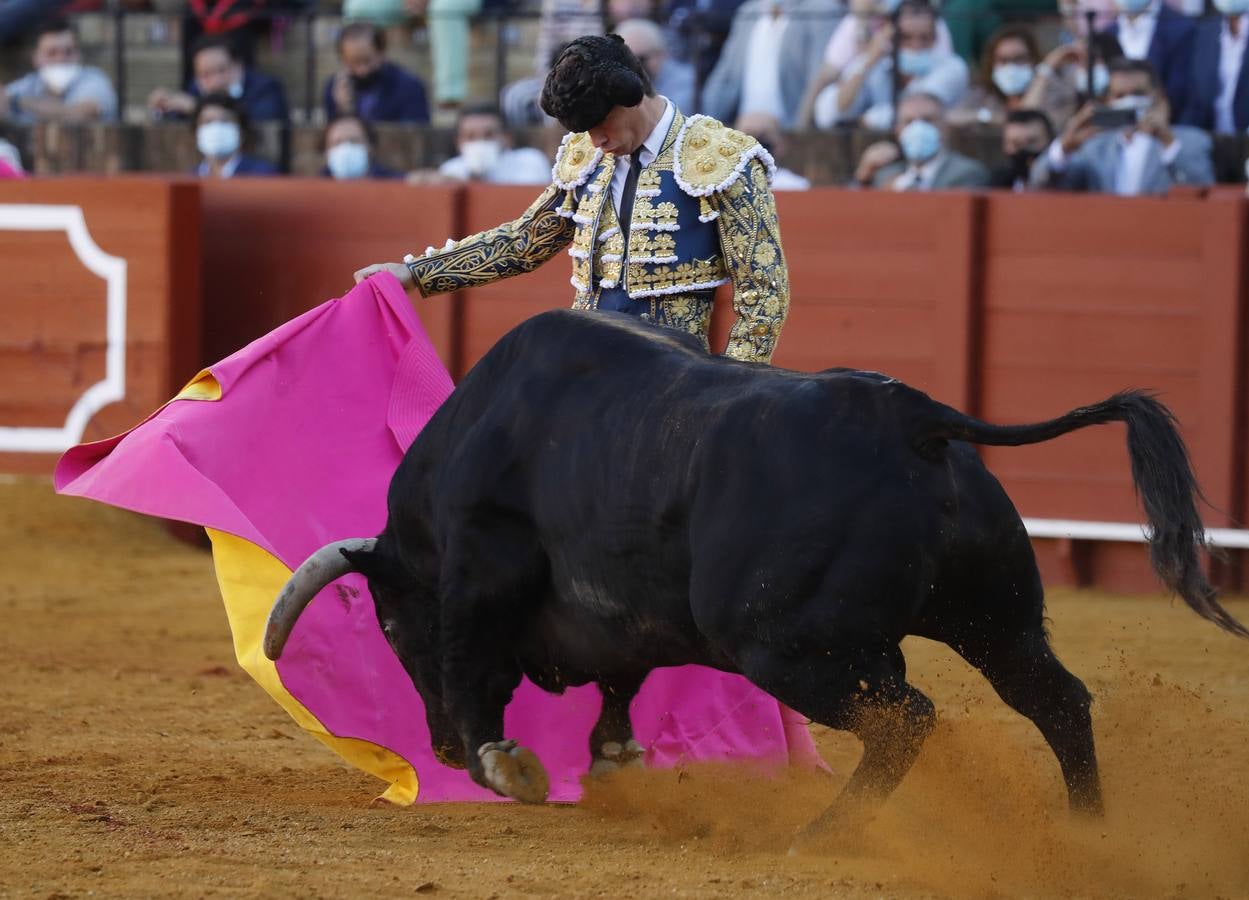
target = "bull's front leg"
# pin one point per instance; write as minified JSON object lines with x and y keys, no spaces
{"x":479,"y":675}
{"x":612,"y":745}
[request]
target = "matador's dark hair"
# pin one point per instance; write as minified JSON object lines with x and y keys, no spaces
{"x":593,"y":75}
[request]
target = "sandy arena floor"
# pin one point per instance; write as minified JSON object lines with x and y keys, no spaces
{"x":136,"y":759}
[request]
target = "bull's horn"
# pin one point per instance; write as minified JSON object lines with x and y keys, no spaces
{"x":318,"y":570}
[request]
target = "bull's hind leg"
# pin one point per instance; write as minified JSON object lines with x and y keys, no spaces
{"x":1030,"y":679}
{"x":484,"y":590}
{"x":860,"y":688}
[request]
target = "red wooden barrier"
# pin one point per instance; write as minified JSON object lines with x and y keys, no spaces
{"x":142,"y":237}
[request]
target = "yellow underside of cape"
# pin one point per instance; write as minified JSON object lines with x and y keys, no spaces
{"x":250,"y":579}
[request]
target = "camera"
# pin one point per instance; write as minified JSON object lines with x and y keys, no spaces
{"x":1107,"y":117}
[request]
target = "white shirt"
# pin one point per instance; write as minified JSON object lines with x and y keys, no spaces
{"x":785,"y":180}
{"x":761,"y":79}
{"x":650,"y":149}
{"x":919,"y":178}
{"x":524,"y":165}
{"x":1136,"y":35}
{"x":1231,"y":57}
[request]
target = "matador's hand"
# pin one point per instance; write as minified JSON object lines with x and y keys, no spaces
{"x":399,"y":270}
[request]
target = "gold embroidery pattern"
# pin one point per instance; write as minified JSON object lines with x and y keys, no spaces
{"x":750,"y":240}
{"x":711,"y":153}
{"x":510,"y":249}
{"x":644,"y":277}
{"x":577,"y":157}
{"x":690,"y":313}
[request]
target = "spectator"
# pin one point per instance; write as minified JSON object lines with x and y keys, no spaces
{"x":561,"y":21}
{"x":1008,"y":81}
{"x":699,"y":29}
{"x":218,"y":68}
{"x":772,"y":51}
{"x":61,"y":88}
{"x":1147,"y":157}
{"x":923,"y":163}
{"x":623,"y":10}
{"x":1025,"y":136}
{"x":1218,"y":91}
{"x":671,"y":77}
{"x":448,"y":21}
{"x":1061,"y":78}
{"x":18,"y":17}
{"x":368,"y":85}
{"x":865,"y":91}
{"x":851,"y":38}
{"x":767,"y":131}
{"x":485,"y":153}
{"x":1152,"y":31}
{"x":520,"y":101}
{"x":241,"y":20}
{"x":220,"y":128}
{"x":350,"y":151}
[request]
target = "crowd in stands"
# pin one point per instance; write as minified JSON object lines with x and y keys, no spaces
{"x":1129,"y":108}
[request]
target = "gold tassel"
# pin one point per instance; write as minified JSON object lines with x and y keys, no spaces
{"x":704,"y":207}
{"x":570,"y":202}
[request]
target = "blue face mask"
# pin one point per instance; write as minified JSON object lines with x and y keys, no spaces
{"x":916,"y":63}
{"x":348,"y":160}
{"x":1232,"y":7}
{"x":1132,"y":7}
{"x":920,"y":141}
{"x":1012,"y":79}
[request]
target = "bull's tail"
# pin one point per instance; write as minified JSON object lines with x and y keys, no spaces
{"x":1161,"y":472}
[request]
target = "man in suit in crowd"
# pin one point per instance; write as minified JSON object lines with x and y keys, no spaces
{"x":217,"y":67}
{"x":919,"y":160}
{"x":1218,"y":89}
{"x":1150,"y":30}
{"x":1025,"y":136}
{"x":1148,"y":156}
{"x":773,"y":49}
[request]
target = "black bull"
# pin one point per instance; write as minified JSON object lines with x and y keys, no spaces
{"x":599,"y":498}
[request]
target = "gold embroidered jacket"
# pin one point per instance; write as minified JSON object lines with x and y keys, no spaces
{"x":703,"y":215}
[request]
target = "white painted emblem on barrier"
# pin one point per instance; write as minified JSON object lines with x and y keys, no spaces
{"x":39,"y":217}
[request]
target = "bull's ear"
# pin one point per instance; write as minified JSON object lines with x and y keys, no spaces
{"x":373,"y":566}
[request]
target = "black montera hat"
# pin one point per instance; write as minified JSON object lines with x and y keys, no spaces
{"x":593,"y":75}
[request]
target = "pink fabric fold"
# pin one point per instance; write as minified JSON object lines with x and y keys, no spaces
{"x":313,"y":419}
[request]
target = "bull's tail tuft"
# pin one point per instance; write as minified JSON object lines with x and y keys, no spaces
{"x":1161,"y":473}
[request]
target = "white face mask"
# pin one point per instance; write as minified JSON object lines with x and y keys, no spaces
{"x":1012,"y":79}
{"x":59,"y":76}
{"x":219,"y":140}
{"x":348,"y":160}
{"x":480,"y":156}
{"x":1232,"y":7}
{"x":235,"y":90}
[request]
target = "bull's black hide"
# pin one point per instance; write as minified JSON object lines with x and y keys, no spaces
{"x":599,"y":497}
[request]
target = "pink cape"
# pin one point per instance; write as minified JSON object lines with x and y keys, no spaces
{"x":295,"y":448}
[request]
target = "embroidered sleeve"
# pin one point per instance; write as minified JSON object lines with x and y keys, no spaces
{"x":510,"y":249}
{"x":750,"y":240}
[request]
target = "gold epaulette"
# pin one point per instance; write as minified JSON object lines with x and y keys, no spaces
{"x":576,"y":158}
{"x":710,"y":156}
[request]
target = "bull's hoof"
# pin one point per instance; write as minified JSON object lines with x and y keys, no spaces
{"x":514,"y":771}
{"x":612,"y":758}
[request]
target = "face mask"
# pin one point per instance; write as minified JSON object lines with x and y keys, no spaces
{"x":59,"y":76}
{"x":1132,"y":7}
{"x":219,"y":140}
{"x":1232,"y":7}
{"x":888,"y":7}
{"x":364,"y":82}
{"x":235,"y":90}
{"x":348,"y":160}
{"x":916,"y":63}
{"x":1101,"y":80}
{"x":920,"y":141}
{"x":1012,"y":79}
{"x":1021,"y":162}
{"x":480,"y":156}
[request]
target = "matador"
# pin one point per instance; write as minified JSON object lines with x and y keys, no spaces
{"x":656,"y":210}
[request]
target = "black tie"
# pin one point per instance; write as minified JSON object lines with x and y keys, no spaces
{"x":630,"y":189}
